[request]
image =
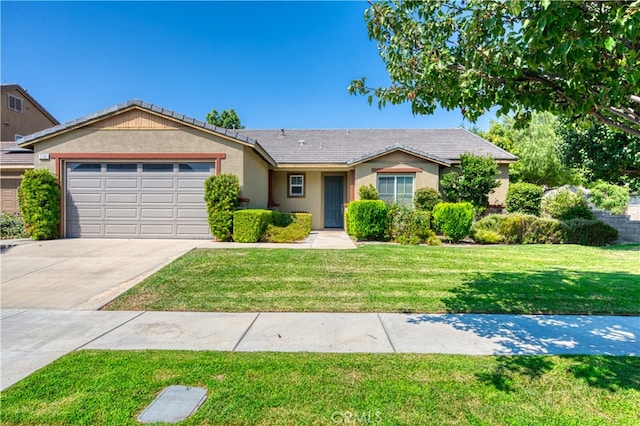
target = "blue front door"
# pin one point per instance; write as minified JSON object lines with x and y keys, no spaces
{"x":333,"y":201}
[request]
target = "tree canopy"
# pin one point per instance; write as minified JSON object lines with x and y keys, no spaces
{"x":576,"y":59}
{"x":227,"y":118}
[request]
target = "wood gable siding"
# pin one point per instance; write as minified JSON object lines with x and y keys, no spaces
{"x":136,"y":119}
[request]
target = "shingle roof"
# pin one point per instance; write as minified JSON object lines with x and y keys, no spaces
{"x":28,"y":140}
{"x":12,"y":155}
{"x":349,"y":146}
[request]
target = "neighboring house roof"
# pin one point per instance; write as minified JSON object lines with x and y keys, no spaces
{"x":11,"y":155}
{"x":26,"y":94}
{"x":352,"y":146}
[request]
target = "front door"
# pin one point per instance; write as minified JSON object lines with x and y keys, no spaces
{"x":333,"y":201}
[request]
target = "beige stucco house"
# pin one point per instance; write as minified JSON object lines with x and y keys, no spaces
{"x":136,"y":170}
{"x":21,"y":115}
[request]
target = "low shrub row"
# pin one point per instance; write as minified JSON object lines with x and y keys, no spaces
{"x":518,"y":228}
{"x":253,"y":225}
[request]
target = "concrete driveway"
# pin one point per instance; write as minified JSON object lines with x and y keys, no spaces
{"x":80,"y":273}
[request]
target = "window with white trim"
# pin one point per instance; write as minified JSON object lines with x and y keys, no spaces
{"x":15,"y":103}
{"x":296,"y":185}
{"x":396,"y":188}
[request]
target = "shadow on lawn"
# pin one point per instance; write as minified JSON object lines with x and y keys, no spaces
{"x":548,"y":292}
{"x":603,"y":372}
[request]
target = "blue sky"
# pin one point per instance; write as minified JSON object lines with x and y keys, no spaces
{"x":278,"y":64}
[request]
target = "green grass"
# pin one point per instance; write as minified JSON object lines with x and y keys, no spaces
{"x":533,"y":279}
{"x":112,"y":387}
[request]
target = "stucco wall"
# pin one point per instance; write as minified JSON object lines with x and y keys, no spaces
{"x":428,"y":178}
{"x":256,"y":180}
{"x":312,"y":202}
{"x":89,"y":140}
{"x":499,"y":196}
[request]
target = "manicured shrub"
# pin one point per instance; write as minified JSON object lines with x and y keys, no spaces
{"x":590,"y":232}
{"x":525,"y":198}
{"x":368,"y":192}
{"x":39,"y":200}
{"x":408,"y":226}
{"x":426,"y":199}
{"x":492,"y":222}
{"x":288,"y":227}
{"x":518,"y":229}
{"x":12,"y":226}
{"x":453,"y":219}
{"x":566,"y":205}
{"x":610,"y":197}
{"x":513,"y":228}
{"x":221,"y":195}
{"x":250,"y":224}
{"x":539,"y":230}
{"x":486,"y":236}
{"x":367,"y":219}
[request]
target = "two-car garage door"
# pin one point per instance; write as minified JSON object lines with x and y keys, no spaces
{"x":136,"y":200}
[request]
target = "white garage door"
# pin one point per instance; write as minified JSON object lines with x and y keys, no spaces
{"x":136,"y":200}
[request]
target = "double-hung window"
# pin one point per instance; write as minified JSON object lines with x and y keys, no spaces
{"x":296,"y":185}
{"x":396,"y":188}
{"x":15,"y":103}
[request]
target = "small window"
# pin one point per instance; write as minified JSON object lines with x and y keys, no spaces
{"x":122,"y":167}
{"x":85,"y":167}
{"x":157,"y":167}
{"x":396,"y":188}
{"x":15,"y":103}
{"x":296,"y":185}
{"x":194,"y":167}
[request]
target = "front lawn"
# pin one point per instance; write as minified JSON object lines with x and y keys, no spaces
{"x":113,"y":387}
{"x":528,"y":279}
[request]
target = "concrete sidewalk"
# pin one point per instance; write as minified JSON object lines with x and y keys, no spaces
{"x":33,"y":338}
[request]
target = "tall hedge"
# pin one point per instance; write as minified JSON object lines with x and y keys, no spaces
{"x":453,"y":219}
{"x":39,"y":200}
{"x":367,"y":219}
{"x":221,"y":194}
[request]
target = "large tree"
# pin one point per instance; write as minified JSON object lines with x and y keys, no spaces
{"x":227,"y":118}
{"x":603,"y":154}
{"x":572,"y":58}
{"x":537,"y":146}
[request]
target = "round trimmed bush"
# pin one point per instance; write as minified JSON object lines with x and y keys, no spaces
{"x":525,"y":198}
{"x":590,"y":232}
{"x":367,"y":219}
{"x":453,"y":219}
{"x":610,"y":197}
{"x":426,"y":199}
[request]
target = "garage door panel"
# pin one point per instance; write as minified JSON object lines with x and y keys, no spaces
{"x":122,"y":183}
{"x":156,"y":213}
{"x":87,"y":198}
{"x":84,"y":229}
{"x":157,"y":183}
{"x":121,"y":198}
{"x":136,"y":200}
{"x":157,"y":230}
{"x":110,"y":212}
{"x":158,"y":198}
{"x":184,"y":183}
{"x":191,"y":213}
{"x":85,"y":183}
{"x":197,"y":198}
{"x":121,"y":229}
